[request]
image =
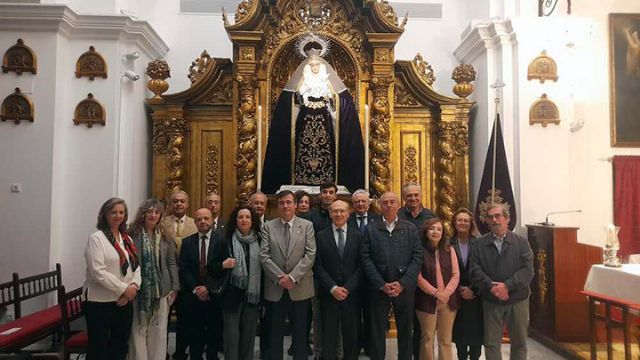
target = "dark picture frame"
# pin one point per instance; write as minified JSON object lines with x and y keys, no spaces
{"x":624,"y":57}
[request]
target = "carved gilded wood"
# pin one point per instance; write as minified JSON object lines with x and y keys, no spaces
{"x":544,"y":111}
{"x":17,"y":107}
{"x":542,"y":68}
{"x":20,"y":58}
{"x":91,"y":64}
{"x":89,"y":111}
{"x":206,"y":137}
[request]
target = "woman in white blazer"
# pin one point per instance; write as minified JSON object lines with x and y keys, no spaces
{"x":112,"y":282}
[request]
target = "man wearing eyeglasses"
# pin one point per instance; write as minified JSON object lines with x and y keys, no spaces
{"x":502,"y":268}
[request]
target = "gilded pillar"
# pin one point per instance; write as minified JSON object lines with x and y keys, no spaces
{"x":169,"y":141}
{"x":453,"y":147}
{"x":169,"y":134}
{"x":453,"y":142}
{"x":380,"y":131}
{"x":246,"y":154}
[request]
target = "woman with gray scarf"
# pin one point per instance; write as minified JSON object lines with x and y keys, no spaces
{"x":236,"y":265}
{"x":160,"y":283}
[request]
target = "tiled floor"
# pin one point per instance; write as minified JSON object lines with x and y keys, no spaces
{"x":536,"y":350}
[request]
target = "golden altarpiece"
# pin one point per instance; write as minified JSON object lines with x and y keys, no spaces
{"x":205,"y":138}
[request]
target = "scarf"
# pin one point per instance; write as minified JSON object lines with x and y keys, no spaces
{"x":244,"y":278}
{"x":149,"y":295}
{"x":128,"y":246}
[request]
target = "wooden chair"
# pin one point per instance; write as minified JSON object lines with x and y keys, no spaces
{"x":26,"y":330}
{"x":72,"y":308}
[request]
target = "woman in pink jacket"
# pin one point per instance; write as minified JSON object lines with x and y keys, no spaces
{"x":436,"y":297}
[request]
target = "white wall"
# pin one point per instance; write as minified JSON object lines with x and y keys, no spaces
{"x":552,"y":168}
{"x":591,"y":179}
{"x":435,"y":39}
{"x":187,"y":36}
{"x":68,"y":171}
{"x":26,"y":159}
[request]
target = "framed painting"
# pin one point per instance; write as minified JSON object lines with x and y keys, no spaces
{"x":624,"y":65}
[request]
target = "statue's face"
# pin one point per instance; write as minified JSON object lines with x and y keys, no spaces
{"x":314,"y":65}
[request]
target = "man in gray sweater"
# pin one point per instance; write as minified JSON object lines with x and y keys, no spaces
{"x":502,"y":269}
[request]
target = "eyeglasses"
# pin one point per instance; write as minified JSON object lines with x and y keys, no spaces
{"x":494,"y":216}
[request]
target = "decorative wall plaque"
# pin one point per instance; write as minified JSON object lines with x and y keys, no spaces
{"x":544,"y":111}
{"x":17,"y":107}
{"x":89,"y":111}
{"x":543,"y":67}
{"x":91,"y":64}
{"x":19,"y":58}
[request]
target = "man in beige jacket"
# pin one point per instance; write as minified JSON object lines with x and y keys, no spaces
{"x":177,"y":226}
{"x":287,"y":253}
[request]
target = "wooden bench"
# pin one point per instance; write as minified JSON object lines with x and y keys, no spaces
{"x":611,"y":320}
{"x":72,"y":309}
{"x":26,"y":330}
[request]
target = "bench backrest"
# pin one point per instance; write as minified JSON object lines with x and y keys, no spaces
{"x":20,"y":289}
{"x":71,"y":308}
{"x":7,"y":294}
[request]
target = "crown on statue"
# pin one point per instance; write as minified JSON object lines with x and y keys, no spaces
{"x":314,"y":54}
{"x":312,"y":46}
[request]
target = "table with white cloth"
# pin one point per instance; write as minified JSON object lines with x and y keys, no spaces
{"x":621,"y":282}
{"x":617,"y":288}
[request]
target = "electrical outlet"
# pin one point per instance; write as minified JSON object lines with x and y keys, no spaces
{"x":16,"y":188}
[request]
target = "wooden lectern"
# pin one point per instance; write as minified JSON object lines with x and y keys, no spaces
{"x":557,"y":309}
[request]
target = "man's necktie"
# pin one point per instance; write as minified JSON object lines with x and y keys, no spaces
{"x":361,"y":222}
{"x":179,"y":229}
{"x":203,"y":258}
{"x":341,"y":241}
{"x":287,"y":237}
{"x":214,"y":227}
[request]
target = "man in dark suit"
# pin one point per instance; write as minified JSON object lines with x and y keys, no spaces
{"x":287,"y":253}
{"x":361,"y":216}
{"x":359,"y":219}
{"x":319,"y":215}
{"x":203,"y":310}
{"x":338,"y":271}
{"x":213,"y":203}
{"x":391,"y":259}
{"x":258,"y":202}
{"x":413,"y":211}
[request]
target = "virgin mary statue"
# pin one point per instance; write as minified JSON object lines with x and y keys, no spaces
{"x":314,"y":137}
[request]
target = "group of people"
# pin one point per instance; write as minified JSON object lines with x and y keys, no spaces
{"x":338,"y":268}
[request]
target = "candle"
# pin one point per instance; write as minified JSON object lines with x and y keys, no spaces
{"x":366,"y":147}
{"x":259,"y":155}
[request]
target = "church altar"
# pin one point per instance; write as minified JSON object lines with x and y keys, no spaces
{"x":212,"y":137}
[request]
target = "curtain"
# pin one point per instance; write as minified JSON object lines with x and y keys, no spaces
{"x":626,"y":202}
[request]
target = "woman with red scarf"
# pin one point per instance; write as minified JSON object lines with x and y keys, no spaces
{"x":113,"y":280}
